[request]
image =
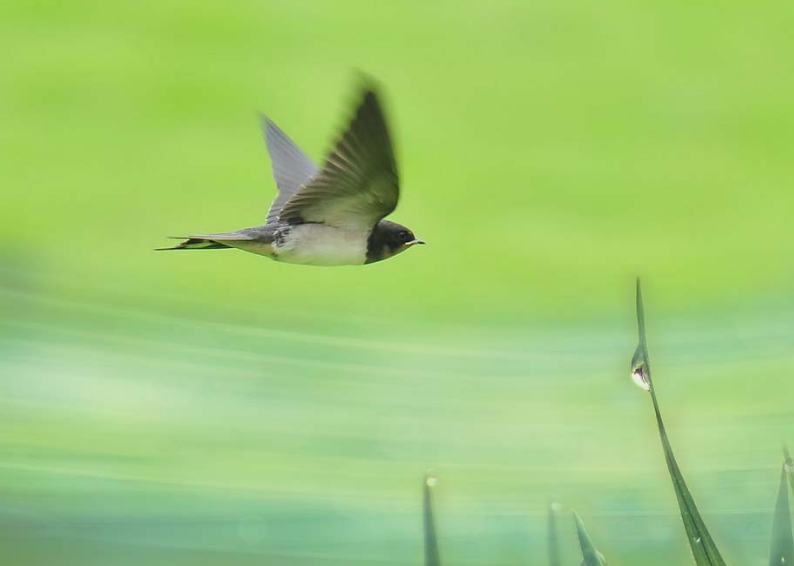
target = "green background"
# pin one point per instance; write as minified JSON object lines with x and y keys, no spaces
{"x":220,"y":408}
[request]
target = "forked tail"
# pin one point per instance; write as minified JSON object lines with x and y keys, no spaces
{"x":197,"y":244}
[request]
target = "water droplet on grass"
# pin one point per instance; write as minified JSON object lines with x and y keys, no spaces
{"x":640,"y":379}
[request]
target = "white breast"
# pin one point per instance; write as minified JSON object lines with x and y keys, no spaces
{"x":320,"y":244}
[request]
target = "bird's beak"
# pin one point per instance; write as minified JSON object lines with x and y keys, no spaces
{"x":414,"y":242}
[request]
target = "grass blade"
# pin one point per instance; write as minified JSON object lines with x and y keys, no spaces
{"x":702,"y":544}
{"x":781,"y":552}
{"x":431,"y":542}
{"x":590,"y":556}
{"x":789,"y":467}
{"x":554,"y":539}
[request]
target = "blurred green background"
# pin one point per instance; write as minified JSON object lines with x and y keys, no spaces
{"x":220,"y":408}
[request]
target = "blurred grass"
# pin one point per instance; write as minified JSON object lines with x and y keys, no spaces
{"x":781,"y":549}
{"x":590,"y":555}
{"x":553,"y":541}
{"x":432,"y":555}
{"x":184,"y":439}
{"x":218,"y":408}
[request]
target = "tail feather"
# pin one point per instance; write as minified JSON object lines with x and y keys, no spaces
{"x":216,"y":241}
{"x":197,"y":244}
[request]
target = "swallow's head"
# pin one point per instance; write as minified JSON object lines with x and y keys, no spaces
{"x":388,"y":239}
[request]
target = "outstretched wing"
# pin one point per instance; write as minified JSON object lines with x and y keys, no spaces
{"x":291,"y":167}
{"x":358,"y":184}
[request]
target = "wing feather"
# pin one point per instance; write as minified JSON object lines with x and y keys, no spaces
{"x":358,"y":184}
{"x":291,"y":167}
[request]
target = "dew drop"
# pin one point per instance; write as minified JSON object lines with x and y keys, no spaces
{"x":640,"y":379}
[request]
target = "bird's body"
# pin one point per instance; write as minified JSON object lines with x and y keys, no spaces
{"x":320,"y":244}
{"x":332,"y":216}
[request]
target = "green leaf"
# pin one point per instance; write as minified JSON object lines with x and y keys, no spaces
{"x":781,"y":553}
{"x":590,"y":556}
{"x":700,"y":541}
{"x":554,"y":540}
{"x":431,"y":542}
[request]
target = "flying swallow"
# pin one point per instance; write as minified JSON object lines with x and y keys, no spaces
{"x":333,"y":215}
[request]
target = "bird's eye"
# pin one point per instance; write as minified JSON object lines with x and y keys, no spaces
{"x":405,"y":236}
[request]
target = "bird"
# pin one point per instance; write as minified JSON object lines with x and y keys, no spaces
{"x":330,"y":216}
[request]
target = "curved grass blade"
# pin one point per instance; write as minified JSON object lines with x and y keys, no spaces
{"x":590,"y":555}
{"x":781,"y":552}
{"x":702,"y":544}
{"x":431,"y":542}
{"x":554,"y":538}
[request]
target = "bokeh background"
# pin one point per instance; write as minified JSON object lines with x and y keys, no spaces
{"x":218,"y":408}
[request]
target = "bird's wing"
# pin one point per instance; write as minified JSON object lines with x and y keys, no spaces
{"x":291,"y":167}
{"x":358,"y":184}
